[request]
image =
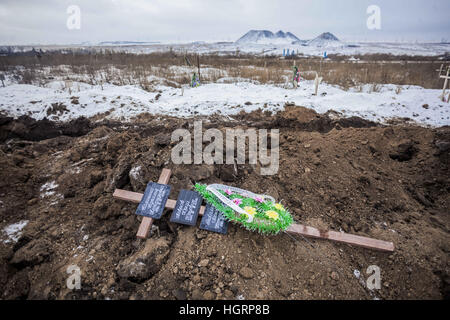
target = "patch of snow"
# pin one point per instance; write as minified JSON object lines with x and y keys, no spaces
{"x":236,"y":80}
{"x":14,"y":231}
{"x":353,"y":59}
{"x":57,"y":198}
{"x":135,"y":172}
{"x":357,"y":273}
{"x":47,"y":189}
{"x":75,"y":170}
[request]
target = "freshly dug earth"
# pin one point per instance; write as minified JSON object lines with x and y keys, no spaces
{"x":387,"y":182}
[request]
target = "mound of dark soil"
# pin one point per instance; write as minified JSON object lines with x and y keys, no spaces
{"x":28,"y":128}
{"x":390,"y":183}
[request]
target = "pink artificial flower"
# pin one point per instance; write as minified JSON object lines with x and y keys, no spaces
{"x":228,"y":192}
{"x":258,"y":199}
{"x":237,"y":201}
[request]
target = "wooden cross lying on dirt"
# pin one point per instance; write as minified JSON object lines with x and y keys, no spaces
{"x":295,"y":229}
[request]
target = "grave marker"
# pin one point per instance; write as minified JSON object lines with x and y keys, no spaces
{"x":154,"y":200}
{"x":187,"y":207}
{"x":295,"y":229}
{"x":213,"y":220}
{"x":446,"y":77}
{"x":317,"y":81}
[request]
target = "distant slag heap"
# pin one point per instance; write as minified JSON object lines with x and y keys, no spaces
{"x":286,"y":38}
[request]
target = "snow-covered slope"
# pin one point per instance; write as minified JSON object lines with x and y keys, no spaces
{"x":325,"y":40}
{"x":267,"y":37}
{"x":226,"y":99}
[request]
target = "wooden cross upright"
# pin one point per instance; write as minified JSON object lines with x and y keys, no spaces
{"x":198,"y":66}
{"x":446,"y":77}
{"x":295,"y":229}
{"x":317,"y":81}
{"x":146,"y":223}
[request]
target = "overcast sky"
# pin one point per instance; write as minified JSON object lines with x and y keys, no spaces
{"x":44,"y":21}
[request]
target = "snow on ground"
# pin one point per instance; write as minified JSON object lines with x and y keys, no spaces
{"x":47,"y":189}
{"x":135,"y":172}
{"x":342,"y":48}
{"x":14,"y":231}
{"x":378,"y":103}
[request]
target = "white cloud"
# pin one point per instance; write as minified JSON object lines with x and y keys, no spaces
{"x":44,"y":21}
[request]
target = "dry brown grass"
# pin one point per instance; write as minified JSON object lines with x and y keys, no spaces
{"x":126,"y":68}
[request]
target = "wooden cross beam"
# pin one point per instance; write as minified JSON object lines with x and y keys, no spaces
{"x":295,"y":229}
{"x":442,"y":69}
{"x":147,"y":222}
{"x":446,"y":77}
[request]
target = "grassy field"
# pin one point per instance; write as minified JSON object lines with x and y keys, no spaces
{"x":138,"y":69}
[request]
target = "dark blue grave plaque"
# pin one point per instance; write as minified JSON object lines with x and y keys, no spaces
{"x":154,"y":200}
{"x":213,"y":220}
{"x":187,"y":208}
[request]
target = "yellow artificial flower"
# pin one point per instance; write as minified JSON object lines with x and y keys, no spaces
{"x":272,"y":214}
{"x":250,"y":210}
{"x":279,"y":206}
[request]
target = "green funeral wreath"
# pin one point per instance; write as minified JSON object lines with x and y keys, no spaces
{"x":257,"y":213}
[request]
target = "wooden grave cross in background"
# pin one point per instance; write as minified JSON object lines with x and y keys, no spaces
{"x":187,"y":208}
{"x":445,"y":76}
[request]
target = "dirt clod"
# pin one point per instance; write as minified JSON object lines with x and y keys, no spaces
{"x":145,"y":262}
{"x":33,"y":253}
{"x":246,"y":273}
{"x":403,"y":151}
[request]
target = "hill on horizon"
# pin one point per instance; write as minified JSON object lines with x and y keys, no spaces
{"x":267,"y":37}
